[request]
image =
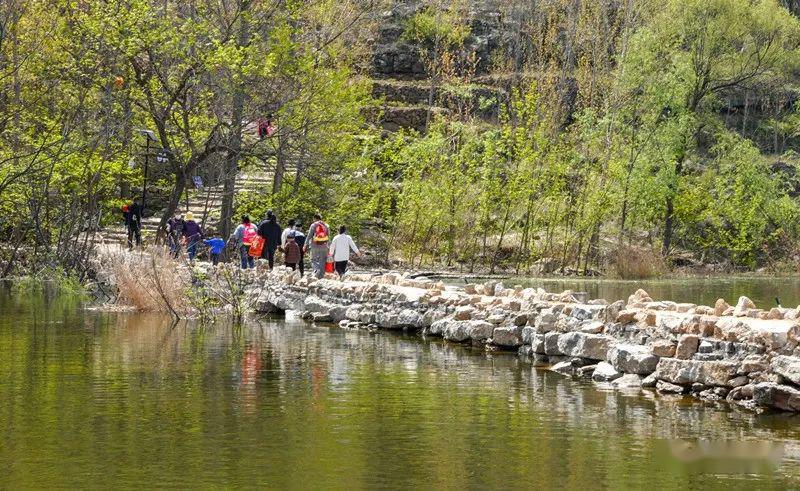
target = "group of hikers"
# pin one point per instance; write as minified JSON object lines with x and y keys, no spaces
{"x":328,"y":255}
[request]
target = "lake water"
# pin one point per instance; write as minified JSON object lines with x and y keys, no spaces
{"x":702,"y":291}
{"x":128,"y":401}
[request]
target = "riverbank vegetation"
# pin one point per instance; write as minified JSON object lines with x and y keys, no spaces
{"x":600,"y":137}
{"x":154,"y":281}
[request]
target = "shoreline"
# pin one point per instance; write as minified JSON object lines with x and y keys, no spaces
{"x":610,"y":279}
{"x":742,"y":355}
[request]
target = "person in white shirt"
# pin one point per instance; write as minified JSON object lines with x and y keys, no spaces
{"x":340,"y":249}
{"x":286,"y":231}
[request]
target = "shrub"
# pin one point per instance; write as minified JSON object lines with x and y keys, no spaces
{"x":637,"y":263}
{"x":150,"y":282}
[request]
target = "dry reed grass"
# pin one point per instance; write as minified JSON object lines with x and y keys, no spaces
{"x":151,"y":281}
{"x":637,"y":263}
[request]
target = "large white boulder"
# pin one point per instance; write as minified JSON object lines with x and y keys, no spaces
{"x":633,"y":358}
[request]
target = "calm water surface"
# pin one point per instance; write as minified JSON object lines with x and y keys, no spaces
{"x":126,"y":401}
{"x":703,"y":291}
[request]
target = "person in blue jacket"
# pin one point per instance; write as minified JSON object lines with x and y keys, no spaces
{"x":216,"y":245}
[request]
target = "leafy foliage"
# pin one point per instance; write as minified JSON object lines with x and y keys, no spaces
{"x":616,"y":128}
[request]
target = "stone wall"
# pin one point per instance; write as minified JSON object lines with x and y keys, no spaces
{"x":741,"y":354}
{"x":395,"y":58}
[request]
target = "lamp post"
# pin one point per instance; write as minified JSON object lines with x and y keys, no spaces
{"x":148,"y":137}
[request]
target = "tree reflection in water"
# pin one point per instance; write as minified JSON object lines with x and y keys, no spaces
{"x":128,"y":401}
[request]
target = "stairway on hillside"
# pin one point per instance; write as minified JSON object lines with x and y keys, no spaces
{"x":204,"y":204}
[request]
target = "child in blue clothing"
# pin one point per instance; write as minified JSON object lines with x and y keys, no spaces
{"x":216,"y":245}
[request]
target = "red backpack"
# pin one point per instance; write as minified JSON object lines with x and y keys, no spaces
{"x":250,"y":232}
{"x":321,"y":233}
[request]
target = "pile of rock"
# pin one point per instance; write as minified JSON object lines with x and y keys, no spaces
{"x":742,"y":354}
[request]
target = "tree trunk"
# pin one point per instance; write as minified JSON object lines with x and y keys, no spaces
{"x":432,"y":89}
{"x":280,"y":168}
{"x":524,"y":248}
{"x":499,"y":247}
{"x":625,"y":191}
{"x":668,"y":224}
{"x":451,"y":231}
{"x":670,"y":208}
{"x":431,"y":96}
{"x":228,"y":190}
{"x":174,"y":200}
{"x":593,"y":249}
{"x":127,"y":135}
{"x":746,"y":110}
{"x":235,"y":140}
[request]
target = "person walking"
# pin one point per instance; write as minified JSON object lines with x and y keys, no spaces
{"x":300,"y":240}
{"x":174,"y":232}
{"x":285,"y":234}
{"x":271,"y":232}
{"x":133,"y":222}
{"x":340,"y":249}
{"x":215,"y":247}
{"x":317,"y":242}
{"x":193,"y":235}
{"x":244,"y":235}
{"x":291,"y":252}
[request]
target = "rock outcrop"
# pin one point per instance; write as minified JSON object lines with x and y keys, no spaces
{"x":747,"y":356}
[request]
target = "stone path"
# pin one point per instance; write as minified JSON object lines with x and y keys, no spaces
{"x":743,"y":355}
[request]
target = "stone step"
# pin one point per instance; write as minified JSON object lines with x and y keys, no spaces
{"x":203,"y":203}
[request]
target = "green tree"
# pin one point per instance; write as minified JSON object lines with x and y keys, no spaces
{"x":690,"y":55}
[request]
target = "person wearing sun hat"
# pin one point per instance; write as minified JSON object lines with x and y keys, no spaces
{"x":193,"y":235}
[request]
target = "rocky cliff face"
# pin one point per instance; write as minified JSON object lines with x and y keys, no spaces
{"x":401,"y":77}
{"x":500,"y":35}
{"x":398,"y":59}
{"x":792,"y":5}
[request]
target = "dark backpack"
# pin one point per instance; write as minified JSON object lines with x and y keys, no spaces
{"x":300,"y":239}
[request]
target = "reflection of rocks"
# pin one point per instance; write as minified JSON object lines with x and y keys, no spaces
{"x":668,"y":388}
{"x":685,"y":345}
{"x":628,"y":381}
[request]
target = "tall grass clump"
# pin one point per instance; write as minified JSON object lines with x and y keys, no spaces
{"x":637,"y":263}
{"x":150,"y":282}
